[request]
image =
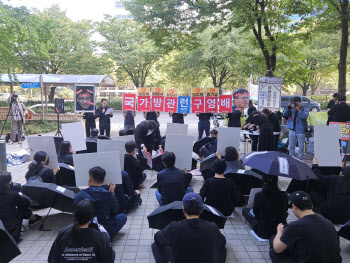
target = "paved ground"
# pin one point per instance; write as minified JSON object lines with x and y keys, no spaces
{"x":133,"y":243}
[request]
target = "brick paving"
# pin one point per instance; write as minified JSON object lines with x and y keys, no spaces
{"x":133,"y":243}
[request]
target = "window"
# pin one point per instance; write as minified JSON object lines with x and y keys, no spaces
{"x":119,"y":4}
{"x":284,"y":98}
{"x":119,"y":16}
{"x":304,"y":99}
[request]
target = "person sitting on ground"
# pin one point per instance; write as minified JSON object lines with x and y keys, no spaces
{"x":147,"y":137}
{"x":232,"y":160}
{"x":220,"y":192}
{"x":82,"y":241}
{"x":133,"y":166}
{"x":270,"y":208}
{"x":14,"y":208}
{"x":66,"y":153}
{"x":210,"y":147}
{"x":191,"y":240}
{"x":336,"y":194}
{"x":172,"y":182}
{"x":106,"y":204}
{"x":311,"y":239}
{"x":93,"y":137}
{"x":37,"y":169}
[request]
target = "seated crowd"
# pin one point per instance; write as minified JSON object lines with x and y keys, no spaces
{"x":100,"y":209}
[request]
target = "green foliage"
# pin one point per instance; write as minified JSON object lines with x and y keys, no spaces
{"x":33,"y":127}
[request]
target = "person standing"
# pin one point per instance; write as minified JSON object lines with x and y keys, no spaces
{"x":105,"y":119}
{"x":152,"y":116}
{"x":17,"y":117}
{"x":331,"y":105}
{"x":265,"y":130}
{"x":90,"y":122}
{"x":203,"y":124}
{"x":276,"y":126}
{"x":177,"y":117}
{"x":340,"y":111}
{"x":297,"y":124}
{"x":129,"y":120}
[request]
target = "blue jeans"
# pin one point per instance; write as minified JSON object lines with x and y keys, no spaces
{"x":159,"y":196}
{"x":203,"y":126}
{"x":293,"y":138}
{"x":115,"y":225}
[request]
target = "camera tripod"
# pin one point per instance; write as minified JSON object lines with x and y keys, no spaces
{"x":58,"y":133}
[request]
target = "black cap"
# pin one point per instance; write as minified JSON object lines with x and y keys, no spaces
{"x":298,"y":197}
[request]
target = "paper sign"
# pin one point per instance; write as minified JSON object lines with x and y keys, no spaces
{"x":225,"y":103}
{"x":228,"y":137}
{"x":211,"y":104}
{"x":171,"y":93}
{"x":270,"y":89}
{"x":129,"y":102}
{"x":212,"y":92}
{"x":184,"y":104}
{"x":143,"y":91}
{"x":110,"y":161}
{"x":197,"y":104}
{"x":84,"y":97}
{"x":198,"y":92}
{"x":345,"y":137}
{"x":157,"y":103}
{"x":45,"y":144}
{"x":158,"y":92}
{"x":108,"y":111}
{"x":125,"y":138}
{"x":75,"y":133}
{"x":181,"y":146}
{"x":177,"y":128}
{"x":170,"y":104}
{"x":283,"y":165}
{"x":144,"y":103}
{"x":327,"y":146}
{"x":112,"y":146}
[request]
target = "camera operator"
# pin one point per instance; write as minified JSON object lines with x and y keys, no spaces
{"x":297,"y":124}
{"x":17,"y":117}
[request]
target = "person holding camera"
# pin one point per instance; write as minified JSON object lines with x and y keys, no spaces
{"x":297,"y":124}
{"x":17,"y":117}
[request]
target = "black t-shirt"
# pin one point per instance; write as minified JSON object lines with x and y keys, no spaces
{"x":205,"y":116}
{"x":93,"y":247}
{"x":312,"y":239}
{"x":151,"y":116}
{"x":129,"y":119}
{"x":220,"y":193}
{"x":178,"y":118}
{"x":192,"y":240}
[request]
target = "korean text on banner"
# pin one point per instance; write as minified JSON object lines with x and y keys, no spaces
{"x":171,"y":100}
{"x":184,"y":104}
{"x":211,"y":100}
{"x":144,"y":103}
{"x":344,"y":139}
{"x":129,"y":102}
{"x":225,"y":103}
{"x":198,"y":104}
{"x":270,"y":89}
{"x":157,"y":100}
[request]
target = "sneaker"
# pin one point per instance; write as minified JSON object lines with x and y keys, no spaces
{"x":35,"y":221}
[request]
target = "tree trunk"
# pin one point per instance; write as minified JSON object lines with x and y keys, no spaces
{"x":313,"y":88}
{"x":343,"y":48}
{"x":52,"y":94}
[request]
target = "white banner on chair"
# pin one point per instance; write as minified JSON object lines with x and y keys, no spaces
{"x":182,"y":147}
{"x":45,"y":144}
{"x":228,"y":137}
{"x":112,"y":146}
{"x":75,"y":134}
{"x":108,"y":161}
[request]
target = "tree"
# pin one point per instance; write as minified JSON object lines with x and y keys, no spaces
{"x":126,"y":44}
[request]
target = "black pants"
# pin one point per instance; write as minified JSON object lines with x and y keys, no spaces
{"x":105,"y":128}
{"x":88,"y":127}
{"x":255,"y":141}
{"x":266,"y":140}
{"x":139,"y":181}
{"x":24,"y":213}
{"x":284,"y":257}
{"x":252,"y":221}
{"x":166,"y":254}
{"x":203,"y":126}
{"x":276,"y":141}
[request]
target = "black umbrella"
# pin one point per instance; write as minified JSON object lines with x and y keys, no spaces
{"x":164,"y":215}
{"x":279,"y":164}
{"x":8,"y":248}
{"x":207,"y":162}
{"x":344,"y":231}
{"x":200,"y":143}
{"x":50,"y":195}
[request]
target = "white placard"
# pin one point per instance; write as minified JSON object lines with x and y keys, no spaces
{"x":45,"y":144}
{"x":113,"y":146}
{"x":228,"y":137}
{"x":182,"y":147}
{"x":177,"y":128}
{"x":108,"y":161}
{"x":327,"y":147}
{"x":270,"y":89}
{"x":75,"y":134}
{"x":108,"y":111}
{"x":125,"y":138}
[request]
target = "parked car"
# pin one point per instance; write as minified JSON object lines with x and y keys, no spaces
{"x":305,"y":102}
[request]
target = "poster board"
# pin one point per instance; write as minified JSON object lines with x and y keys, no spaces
{"x":143,"y":99}
{"x":75,"y":133}
{"x":269,"y":95}
{"x":198,"y":103}
{"x":125,"y":138}
{"x":181,"y":146}
{"x":108,"y":161}
{"x":104,"y":146}
{"x":184,"y":104}
{"x":327,"y":147}
{"x":157,"y":100}
{"x":228,"y":137}
{"x":171,"y":100}
{"x":84,"y":98}
{"x":345,"y":138}
{"x":129,"y":102}
{"x":177,"y":128}
{"x":46,"y":144}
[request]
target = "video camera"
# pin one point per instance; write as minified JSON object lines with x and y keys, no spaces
{"x":292,"y":105}
{"x":14,"y":97}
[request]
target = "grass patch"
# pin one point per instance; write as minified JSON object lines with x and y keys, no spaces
{"x":33,"y":127}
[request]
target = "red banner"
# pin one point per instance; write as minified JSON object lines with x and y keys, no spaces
{"x":197,"y":104}
{"x":129,"y":102}
{"x":225,"y":103}
{"x":158,"y":103}
{"x":211,"y":104}
{"x":170,"y":104}
{"x":144,"y":103}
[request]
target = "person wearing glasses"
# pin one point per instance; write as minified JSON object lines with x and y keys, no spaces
{"x":240,"y":102}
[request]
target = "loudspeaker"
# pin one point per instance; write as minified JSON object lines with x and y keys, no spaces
{"x":59,"y":105}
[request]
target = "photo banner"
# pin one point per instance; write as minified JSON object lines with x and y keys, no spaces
{"x":253,"y":89}
{"x":157,"y":100}
{"x":211,"y":100}
{"x":184,"y":104}
{"x":84,"y":97}
{"x":144,"y":99}
{"x":129,"y":102}
{"x":171,"y":99}
{"x":270,"y":89}
{"x":225,"y":103}
{"x":198,"y":100}
{"x":344,"y":139}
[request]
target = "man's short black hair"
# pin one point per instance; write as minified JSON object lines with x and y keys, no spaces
{"x":231,"y":154}
{"x":130,"y":146}
{"x":195,"y":211}
{"x":94,"y":132}
{"x":335,"y":95}
{"x":219,"y":166}
{"x":168,"y":158}
{"x":152,"y":125}
{"x":104,"y":99}
{"x":5,"y":178}
{"x":304,"y":205}
{"x":97,"y":174}
{"x":342,"y":98}
{"x":213,"y":131}
{"x":297,"y":98}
